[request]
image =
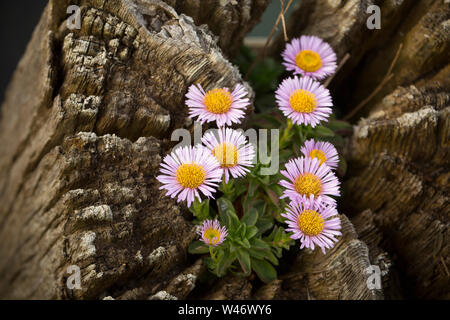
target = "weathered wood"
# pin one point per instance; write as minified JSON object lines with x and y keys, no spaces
{"x":400,"y":159}
{"x":81,"y":141}
{"x":424,"y":33}
{"x":87,"y":118}
{"x":368,"y":232}
{"x":398,"y":156}
{"x":230,"y":20}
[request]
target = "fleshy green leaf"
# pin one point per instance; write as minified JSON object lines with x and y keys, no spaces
{"x":224,"y":263}
{"x":244,"y":243}
{"x":253,"y":186}
{"x":259,"y":244}
{"x":264,"y":223}
{"x":271,"y":258}
{"x":227,"y":214}
{"x":340,"y":126}
{"x":251,"y":232}
{"x":200,"y":210}
{"x":265,"y":271}
{"x":250,"y":217}
{"x":321,"y":131}
{"x":258,"y":254}
{"x":273,"y":197}
{"x":244,"y":260}
{"x":198,"y":247}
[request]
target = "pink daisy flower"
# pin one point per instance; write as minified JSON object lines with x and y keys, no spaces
{"x":217,"y":104}
{"x":211,"y":233}
{"x":188,"y":170}
{"x":308,"y":178}
{"x":231,"y":150}
{"x":324,"y":151}
{"x":310,"y":56}
{"x":313,"y":223}
{"x":304,"y":100}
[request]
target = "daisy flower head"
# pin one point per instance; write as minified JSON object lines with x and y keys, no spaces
{"x":188,"y":170}
{"x":304,"y":100}
{"x":313,"y":223}
{"x":306,"y":178}
{"x":211,"y":233}
{"x":218,"y":104}
{"x":231,"y":150}
{"x":324,"y":151}
{"x":310,"y":56}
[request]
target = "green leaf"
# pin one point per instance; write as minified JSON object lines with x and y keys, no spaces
{"x":258,"y":254}
{"x":224,"y":263}
{"x":228,"y":189}
{"x":198,"y":247}
{"x":244,"y":243}
{"x":250,"y":217}
{"x":259,"y":244}
{"x":244,"y":260}
{"x":273,"y":197}
{"x":340,"y":126}
{"x":265,"y":222}
{"x":265,"y":271}
{"x":278,"y":238}
{"x":321,"y":131}
{"x":227,"y":214}
{"x":252,"y":187}
{"x":241,"y":230}
{"x":271,"y":258}
{"x":251,"y":232}
{"x":240,"y":188}
{"x":200,"y":210}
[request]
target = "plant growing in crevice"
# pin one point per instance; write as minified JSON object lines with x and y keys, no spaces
{"x":246,"y":233}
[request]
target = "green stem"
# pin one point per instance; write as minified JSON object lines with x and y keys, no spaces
{"x":302,"y":136}
{"x":211,"y":252}
{"x":286,"y":132}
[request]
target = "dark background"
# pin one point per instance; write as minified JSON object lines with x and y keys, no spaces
{"x":17,"y":21}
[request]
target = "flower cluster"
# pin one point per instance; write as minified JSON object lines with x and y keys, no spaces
{"x":311,"y":182}
{"x":189,"y":171}
{"x":310,"y":185}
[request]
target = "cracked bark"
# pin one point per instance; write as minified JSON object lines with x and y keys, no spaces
{"x":84,"y":126}
{"x":86,"y":120}
{"x":396,"y":192}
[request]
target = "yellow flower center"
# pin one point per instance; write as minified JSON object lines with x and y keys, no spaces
{"x":308,"y":60}
{"x":307,"y":184}
{"x":319,"y":154}
{"x":218,"y":101}
{"x":213,"y":235}
{"x":303,"y":101}
{"x":190,"y":175}
{"x":310,"y":222}
{"x":226,"y":154}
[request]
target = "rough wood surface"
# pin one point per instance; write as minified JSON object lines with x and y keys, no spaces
{"x":230,"y":20}
{"x":84,"y":125}
{"x":80,"y":139}
{"x":396,"y":191}
{"x":400,"y":156}
{"x":87,"y":119}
